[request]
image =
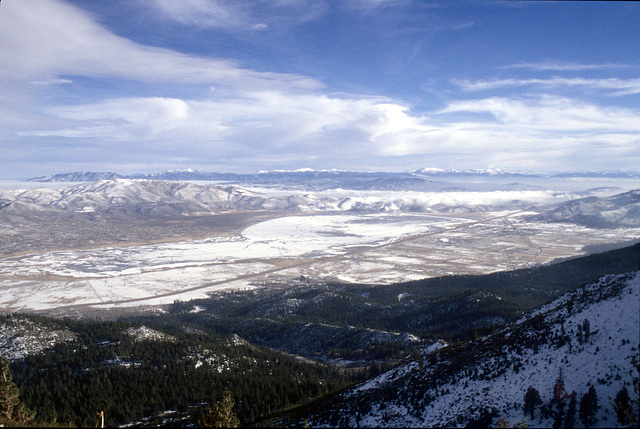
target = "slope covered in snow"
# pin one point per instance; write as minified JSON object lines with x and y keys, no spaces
{"x":20,"y":337}
{"x":588,"y":337}
{"x":609,"y":212}
{"x":157,"y":198}
{"x":131,"y":197}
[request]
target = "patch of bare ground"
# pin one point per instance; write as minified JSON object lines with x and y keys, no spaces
{"x":85,"y":231}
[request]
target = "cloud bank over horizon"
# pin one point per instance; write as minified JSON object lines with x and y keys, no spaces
{"x":245,"y":86}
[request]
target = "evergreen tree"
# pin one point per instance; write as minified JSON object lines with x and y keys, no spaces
{"x":588,"y":407}
{"x":622,"y":406}
{"x":556,"y":406}
{"x":586,"y":327}
{"x":531,"y":400}
{"x":502,"y":423}
{"x":570,"y":416}
{"x":11,"y":407}
{"x":635,"y":412}
{"x":221,"y":415}
{"x":559,"y":391}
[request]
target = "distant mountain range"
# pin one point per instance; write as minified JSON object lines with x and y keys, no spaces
{"x":138,"y":197}
{"x":143,"y":197}
{"x":315,"y":180}
{"x":281,"y":176}
{"x":78,"y":176}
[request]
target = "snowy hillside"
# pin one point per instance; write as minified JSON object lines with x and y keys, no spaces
{"x":20,"y":337}
{"x":589,"y":336}
{"x":610,"y":212}
{"x":79,"y":176}
{"x":167,"y":198}
{"x":143,"y":197}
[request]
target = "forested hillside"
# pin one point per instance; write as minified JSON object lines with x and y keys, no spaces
{"x":570,"y":363}
{"x":336,"y":320}
{"x":113,"y":368}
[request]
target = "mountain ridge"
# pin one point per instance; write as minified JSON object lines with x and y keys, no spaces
{"x":195,"y":174}
{"x":614,"y":211}
{"x":579,"y":338}
{"x":146,"y":197}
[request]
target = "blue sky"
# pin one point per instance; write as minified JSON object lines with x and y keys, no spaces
{"x":238,"y":86}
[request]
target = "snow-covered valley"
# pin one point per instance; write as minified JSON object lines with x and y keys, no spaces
{"x":262,"y":235}
{"x":375,"y":248}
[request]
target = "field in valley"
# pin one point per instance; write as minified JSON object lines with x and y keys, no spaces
{"x":376,"y":248}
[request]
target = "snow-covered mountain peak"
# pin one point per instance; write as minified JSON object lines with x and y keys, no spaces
{"x":491,"y":171}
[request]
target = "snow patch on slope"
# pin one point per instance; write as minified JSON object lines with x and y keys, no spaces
{"x":20,"y":337}
{"x":455,"y":385}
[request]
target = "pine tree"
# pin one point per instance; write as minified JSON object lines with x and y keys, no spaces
{"x":531,"y":400}
{"x":502,"y":423}
{"x":570,"y":416}
{"x":635,"y":412}
{"x":559,"y":391}
{"x":11,"y":407}
{"x":586,"y":327}
{"x":221,"y":415}
{"x":588,"y":407}
{"x":622,"y":406}
{"x":556,"y":406}
{"x":558,"y":418}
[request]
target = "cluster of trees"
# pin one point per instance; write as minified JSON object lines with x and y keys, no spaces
{"x":564,"y":407}
{"x":106,"y":369}
{"x":12,"y":410}
{"x":220,"y":415}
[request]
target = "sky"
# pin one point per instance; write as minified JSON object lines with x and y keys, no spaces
{"x":141,"y":86}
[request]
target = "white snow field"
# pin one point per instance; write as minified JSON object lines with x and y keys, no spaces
{"x":354,"y":247}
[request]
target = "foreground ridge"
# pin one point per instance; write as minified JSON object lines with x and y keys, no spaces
{"x":586,"y":338}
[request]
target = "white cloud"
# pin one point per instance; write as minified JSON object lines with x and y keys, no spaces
{"x":550,"y":114}
{"x":613,"y":86}
{"x":540,"y":133}
{"x":272,"y":119}
{"x":522,"y":133}
{"x":239,"y":15}
{"x":564,"y":66}
{"x":43,"y":40}
{"x":369,"y":5}
{"x":201,"y":12}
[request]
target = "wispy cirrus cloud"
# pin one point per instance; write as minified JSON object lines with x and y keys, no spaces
{"x":564,"y":66}
{"x":372,"y":5}
{"x":613,"y":86}
{"x":544,"y":114}
{"x":239,"y":15}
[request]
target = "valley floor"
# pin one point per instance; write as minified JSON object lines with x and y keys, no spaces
{"x":350,"y":247}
